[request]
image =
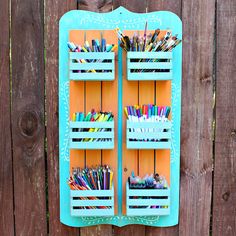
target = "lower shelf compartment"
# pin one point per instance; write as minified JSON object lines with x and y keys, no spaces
{"x":147,"y":202}
{"x":92,"y":202}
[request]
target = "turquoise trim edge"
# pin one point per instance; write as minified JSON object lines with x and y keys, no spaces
{"x":126,"y":21}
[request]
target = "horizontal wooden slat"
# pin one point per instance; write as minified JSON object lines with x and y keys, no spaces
{"x":148,"y":212}
{"x":101,"y":202}
{"x":92,"y":66}
{"x":92,"y":212}
{"x":149,"y":55}
{"x":148,"y":135}
{"x":92,"y":193}
{"x":149,"y":75}
{"x":99,"y":134}
{"x":92,"y":76}
{"x":149,"y":65}
{"x":147,"y":202}
{"x":148,"y":192}
{"x":92,"y":55}
{"x":84,"y":124}
{"x":156,"y":125}
{"x":92,"y":145}
{"x":148,"y":145}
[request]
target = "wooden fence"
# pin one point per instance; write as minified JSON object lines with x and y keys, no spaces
{"x":29,"y":188}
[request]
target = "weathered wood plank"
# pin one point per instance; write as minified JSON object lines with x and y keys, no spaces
{"x":130,"y":230}
{"x":99,"y":230}
{"x":95,"y":5}
{"x":53,"y":12}
{"x":224,"y":198}
{"x":132,"y":5}
{"x":164,"y":5}
{"x":6,"y":184}
{"x":197,"y":101}
{"x":165,"y":231}
{"x":28,"y":117}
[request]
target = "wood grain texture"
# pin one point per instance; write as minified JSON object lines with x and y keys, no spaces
{"x":130,"y":230}
{"x":54,"y":9}
{"x":28,"y":117}
{"x":197,"y":102}
{"x":6,"y":184}
{"x":99,"y":230}
{"x":95,"y":5}
{"x":132,"y":5}
{"x":165,"y":231}
{"x":224,"y":198}
{"x":164,"y":5}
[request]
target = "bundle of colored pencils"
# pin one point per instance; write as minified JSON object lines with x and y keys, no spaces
{"x":99,"y":178}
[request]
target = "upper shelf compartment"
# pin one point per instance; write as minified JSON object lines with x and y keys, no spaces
{"x":92,"y":66}
{"x":149,"y":65}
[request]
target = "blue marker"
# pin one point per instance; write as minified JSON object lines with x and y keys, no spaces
{"x":98,"y":45}
{"x":103,"y":45}
{"x":94,"y":46}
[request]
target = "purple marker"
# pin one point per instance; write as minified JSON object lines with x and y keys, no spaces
{"x":104,"y":179}
{"x":129,"y":113}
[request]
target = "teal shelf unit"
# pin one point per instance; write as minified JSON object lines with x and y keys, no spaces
{"x":170,"y":68}
{"x":101,"y":66}
{"x":149,"y":66}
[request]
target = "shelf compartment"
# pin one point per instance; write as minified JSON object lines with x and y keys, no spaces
{"x":147,"y":202}
{"x":82,"y":65}
{"x":80,"y":200}
{"x":149,"y":65}
{"x":148,"y":135}
{"x":82,"y":137}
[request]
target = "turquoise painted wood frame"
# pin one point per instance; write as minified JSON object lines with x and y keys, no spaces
{"x":125,"y":20}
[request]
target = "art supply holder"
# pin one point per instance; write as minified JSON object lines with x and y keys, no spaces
{"x":148,"y":135}
{"x":125,"y":140}
{"x":83,"y":202}
{"x":83,"y":135}
{"x":149,"y":65}
{"x":101,"y":66}
{"x":147,"y":202}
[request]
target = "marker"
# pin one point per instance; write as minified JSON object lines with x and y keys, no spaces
{"x":94,"y":46}
{"x":103,"y":48}
{"x":111,"y":178}
{"x":114,"y":48}
{"x":109,"y":47}
{"x":97,"y":45}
